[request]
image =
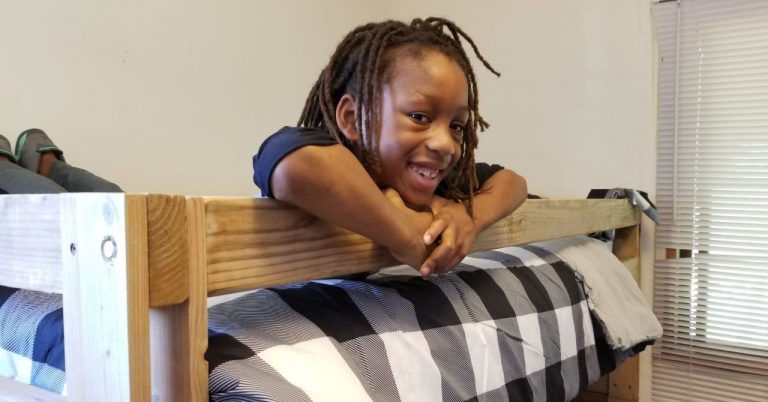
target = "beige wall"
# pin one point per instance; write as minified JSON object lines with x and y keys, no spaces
{"x":165,"y":96}
{"x":175,"y":96}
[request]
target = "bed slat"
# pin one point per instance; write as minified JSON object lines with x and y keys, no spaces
{"x":30,"y":242}
{"x":12,"y":390}
{"x":253,"y":243}
{"x":538,"y":220}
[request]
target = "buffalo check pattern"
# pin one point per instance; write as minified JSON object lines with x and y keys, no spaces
{"x":509,"y":324}
{"x":32,"y":338}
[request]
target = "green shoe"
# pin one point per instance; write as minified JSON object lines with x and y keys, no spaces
{"x":5,"y":149}
{"x":31,"y":144}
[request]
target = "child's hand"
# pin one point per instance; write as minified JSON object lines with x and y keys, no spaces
{"x":412,"y":252}
{"x":456,"y":231}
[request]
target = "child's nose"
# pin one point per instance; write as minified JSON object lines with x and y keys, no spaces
{"x":442,"y":142}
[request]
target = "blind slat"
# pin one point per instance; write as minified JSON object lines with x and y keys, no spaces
{"x":712,"y":197}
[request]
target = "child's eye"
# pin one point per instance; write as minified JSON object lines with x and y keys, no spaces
{"x":419,"y":117}
{"x":458,"y":130}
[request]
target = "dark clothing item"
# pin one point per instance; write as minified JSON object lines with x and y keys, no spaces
{"x":76,"y":180}
{"x":289,"y":139}
{"x":278,"y":145}
{"x":15,"y":179}
{"x":62,"y":178}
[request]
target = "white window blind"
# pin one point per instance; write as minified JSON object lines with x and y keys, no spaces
{"x":711,"y":293}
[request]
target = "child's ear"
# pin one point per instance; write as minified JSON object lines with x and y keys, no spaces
{"x":346,"y":117}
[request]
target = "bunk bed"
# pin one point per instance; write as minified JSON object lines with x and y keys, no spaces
{"x":136,"y":271}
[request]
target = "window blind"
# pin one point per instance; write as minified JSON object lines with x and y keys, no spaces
{"x":711,"y":291}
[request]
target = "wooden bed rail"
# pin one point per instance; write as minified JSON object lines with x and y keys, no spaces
{"x":253,"y":243}
{"x":152,"y":260}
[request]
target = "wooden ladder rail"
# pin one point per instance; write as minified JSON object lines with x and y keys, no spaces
{"x":92,"y":249}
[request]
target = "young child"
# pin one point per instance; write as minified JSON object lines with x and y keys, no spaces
{"x":386,"y":144}
{"x":38,"y":167}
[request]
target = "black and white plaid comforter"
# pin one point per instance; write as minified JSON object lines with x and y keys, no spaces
{"x":510,"y":324}
{"x":32,"y":338}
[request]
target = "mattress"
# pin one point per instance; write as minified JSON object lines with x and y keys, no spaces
{"x":509,"y":324}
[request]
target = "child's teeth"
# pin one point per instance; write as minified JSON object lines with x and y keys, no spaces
{"x":427,"y":173}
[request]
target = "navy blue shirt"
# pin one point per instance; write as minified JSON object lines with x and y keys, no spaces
{"x":289,"y":139}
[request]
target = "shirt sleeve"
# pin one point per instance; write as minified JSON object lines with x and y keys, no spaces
{"x":278,"y":145}
{"x":485,"y":171}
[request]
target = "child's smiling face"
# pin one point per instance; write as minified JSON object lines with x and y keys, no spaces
{"x":423,"y":114}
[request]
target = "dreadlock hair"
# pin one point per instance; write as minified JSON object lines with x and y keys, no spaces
{"x":360,"y":66}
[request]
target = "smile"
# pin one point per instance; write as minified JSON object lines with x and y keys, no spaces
{"x":425,"y":172}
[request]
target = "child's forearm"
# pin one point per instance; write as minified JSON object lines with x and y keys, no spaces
{"x":330,"y":183}
{"x":501,"y":194}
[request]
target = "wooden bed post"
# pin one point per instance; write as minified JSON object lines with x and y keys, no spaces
{"x":197,"y":306}
{"x":624,"y":382}
{"x":105,"y":286}
{"x":178,"y":318}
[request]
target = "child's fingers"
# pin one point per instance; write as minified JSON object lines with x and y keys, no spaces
{"x":440,"y":257}
{"x":437,"y":227}
{"x":426,"y":269}
{"x":434,"y":262}
{"x":413,"y":256}
{"x":460,"y":251}
{"x":444,"y":267}
{"x":452,"y":264}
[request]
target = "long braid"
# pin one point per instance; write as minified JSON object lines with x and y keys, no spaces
{"x":373,"y":120}
{"x":359,"y":66}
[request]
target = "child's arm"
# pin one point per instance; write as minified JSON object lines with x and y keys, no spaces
{"x":330,"y":183}
{"x":506,"y":191}
{"x":501,"y":194}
